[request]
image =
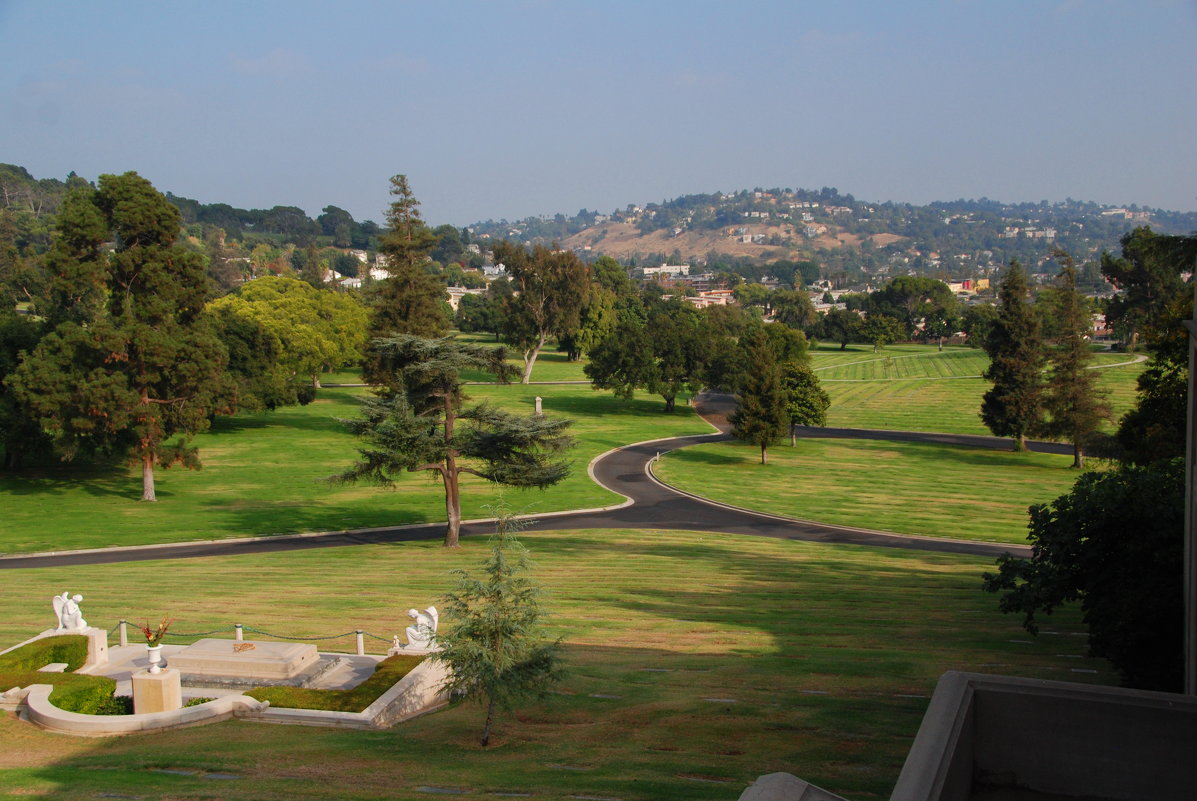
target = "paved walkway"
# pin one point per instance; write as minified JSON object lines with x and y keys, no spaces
{"x":651,"y":504}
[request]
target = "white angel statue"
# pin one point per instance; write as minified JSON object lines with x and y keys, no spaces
{"x":66,"y":608}
{"x":421,"y":634}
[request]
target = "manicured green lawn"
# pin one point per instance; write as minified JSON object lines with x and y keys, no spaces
{"x":696,"y":662}
{"x":917,"y":388}
{"x":264,"y":474}
{"x":908,"y":488}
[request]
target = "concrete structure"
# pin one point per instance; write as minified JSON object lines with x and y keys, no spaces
{"x":419,"y":692}
{"x":268,"y":662}
{"x":1003,"y":738}
{"x":157,"y":692}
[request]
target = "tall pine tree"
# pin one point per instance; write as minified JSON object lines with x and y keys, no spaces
{"x":1073,"y":404}
{"x":1013,"y":406}
{"x":410,"y":300}
{"x":144,"y":372}
{"x":761,"y":418}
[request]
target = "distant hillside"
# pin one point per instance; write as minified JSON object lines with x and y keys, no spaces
{"x":956,"y":238}
{"x":740,"y":231}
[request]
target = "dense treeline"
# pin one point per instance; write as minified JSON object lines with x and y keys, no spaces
{"x":1115,"y":543}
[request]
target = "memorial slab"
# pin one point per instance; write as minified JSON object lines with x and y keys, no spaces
{"x":245,"y":659}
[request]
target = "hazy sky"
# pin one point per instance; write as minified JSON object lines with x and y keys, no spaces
{"x":507,"y":109}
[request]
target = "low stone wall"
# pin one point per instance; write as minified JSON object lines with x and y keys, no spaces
{"x":417,"y":693}
{"x":40,"y":711}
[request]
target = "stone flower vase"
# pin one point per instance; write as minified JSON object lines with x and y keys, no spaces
{"x":155,"y":654}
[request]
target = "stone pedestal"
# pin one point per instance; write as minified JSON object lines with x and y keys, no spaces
{"x":97,"y":647}
{"x":157,"y":692}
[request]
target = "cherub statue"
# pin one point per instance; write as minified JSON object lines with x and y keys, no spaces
{"x":421,"y":634}
{"x":66,"y":608}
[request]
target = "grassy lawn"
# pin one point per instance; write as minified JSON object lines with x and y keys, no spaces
{"x":908,"y":488}
{"x":263,"y":474}
{"x":917,"y":388}
{"x":753,"y":656}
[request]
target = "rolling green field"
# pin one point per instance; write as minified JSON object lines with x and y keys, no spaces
{"x":264,"y":474}
{"x":918,"y":388}
{"x":753,"y":656}
{"x":907,"y":488}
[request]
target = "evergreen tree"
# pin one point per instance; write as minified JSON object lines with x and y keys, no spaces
{"x":806,"y":402}
{"x":1073,"y":404}
{"x":410,"y":300}
{"x":418,"y":422}
{"x":495,"y":650}
{"x":145,"y":373}
{"x":1012,"y":407}
{"x":761,"y":418}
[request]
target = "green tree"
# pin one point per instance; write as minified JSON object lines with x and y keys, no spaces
{"x":1115,"y":544}
{"x":793,"y":308}
{"x":1147,"y":276}
{"x":20,"y":434}
{"x":317,"y":330}
{"x":496,"y":651}
{"x":409,"y":300}
{"x":146,"y":373}
{"x":977,"y":321}
{"x":881,"y":330}
{"x":806,"y":402}
{"x":418,"y":422}
{"x":1155,"y":428}
{"x":550,"y":287}
{"x":761,"y":417}
{"x":1073,"y":405}
{"x":842,"y":326}
{"x":1013,"y":406}
{"x":624,"y":360}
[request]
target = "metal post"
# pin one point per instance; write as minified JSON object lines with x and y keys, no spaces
{"x":240,"y":635}
{"x":361,"y":643}
{"x":124,"y":633}
{"x":1190,"y":549}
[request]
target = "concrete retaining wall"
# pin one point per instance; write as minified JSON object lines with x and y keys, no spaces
{"x":40,"y":711}
{"x":417,"y":693}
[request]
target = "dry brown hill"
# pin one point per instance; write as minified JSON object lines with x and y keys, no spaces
{"x":621,"y":241}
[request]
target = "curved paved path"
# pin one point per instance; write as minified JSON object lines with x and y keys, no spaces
{"x":651,"y":504}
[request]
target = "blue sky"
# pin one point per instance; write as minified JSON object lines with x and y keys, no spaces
{"x":507,"y":109}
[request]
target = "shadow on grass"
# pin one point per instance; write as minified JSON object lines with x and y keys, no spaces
{"x":97,"y":480}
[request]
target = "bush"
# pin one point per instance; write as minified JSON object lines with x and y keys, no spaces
{"x":89,"y":695}
{"x":68,"y":648}
{"x":1115,"y":543}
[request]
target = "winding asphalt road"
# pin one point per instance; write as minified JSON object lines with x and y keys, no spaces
{"x":626,"y":471}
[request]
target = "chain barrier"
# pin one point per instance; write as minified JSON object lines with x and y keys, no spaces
{"x":280,"y":637}
{"x":116,"y":628}
{"x":195,"y":634}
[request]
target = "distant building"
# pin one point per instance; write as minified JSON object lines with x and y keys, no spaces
{"x":665,"y":271}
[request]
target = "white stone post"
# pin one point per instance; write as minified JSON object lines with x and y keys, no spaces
{"x":124,"y":633}
{"x":361,"y":643}
{"x":539,"y":410}
{"x":239,"y":635}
